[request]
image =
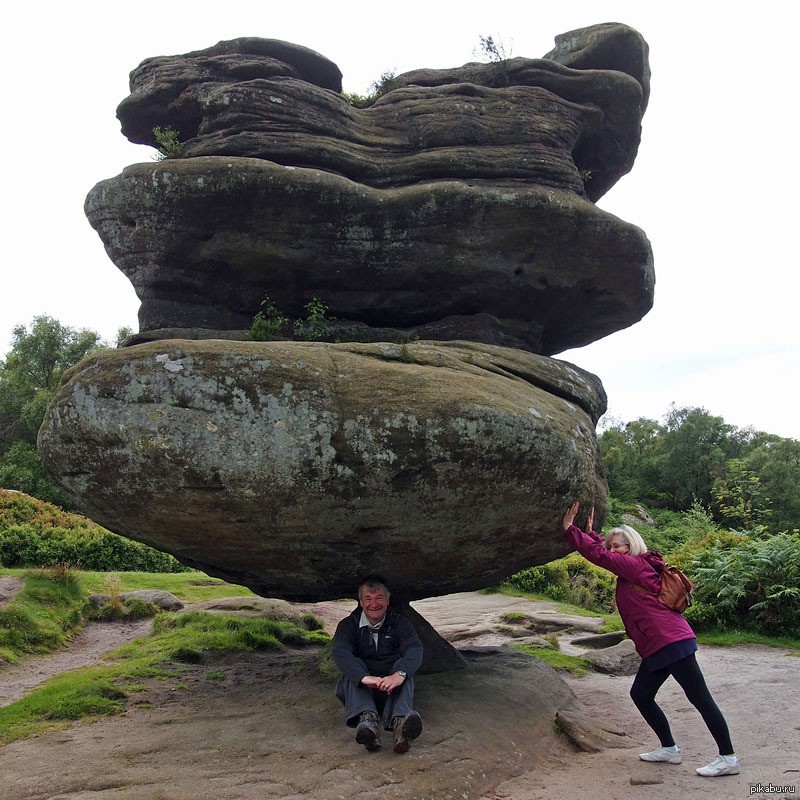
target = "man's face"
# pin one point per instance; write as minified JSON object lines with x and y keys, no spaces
{"x":374,"y":602}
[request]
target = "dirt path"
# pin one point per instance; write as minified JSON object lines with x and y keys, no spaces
{"x":271,"y":730}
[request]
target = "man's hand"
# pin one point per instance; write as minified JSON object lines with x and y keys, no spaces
{"x":387,"y":684}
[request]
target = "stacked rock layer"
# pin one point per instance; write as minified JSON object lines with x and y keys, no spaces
{"x":450,"y":229}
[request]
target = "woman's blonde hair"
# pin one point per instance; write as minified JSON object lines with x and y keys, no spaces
{"x":632,"y":538}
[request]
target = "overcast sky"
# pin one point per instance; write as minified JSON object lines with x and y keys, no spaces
{"x":712,"y":187}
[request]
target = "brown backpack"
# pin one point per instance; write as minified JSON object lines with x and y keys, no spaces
{"x":676,"y":589}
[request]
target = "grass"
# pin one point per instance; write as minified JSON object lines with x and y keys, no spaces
{"x":51,"y":607}
{"x":177,"y":640}
{"x":42,"y":616}
{"x":189,"y":587}
{"x":559,"y":661}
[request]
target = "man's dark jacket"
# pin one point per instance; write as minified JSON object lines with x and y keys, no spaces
{"x":354,"y":652}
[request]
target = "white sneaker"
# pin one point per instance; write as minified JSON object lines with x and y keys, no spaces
{"x":668,"y":755}
{"x":721,"y":765}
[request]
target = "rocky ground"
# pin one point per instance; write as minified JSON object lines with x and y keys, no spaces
{"x":272,"y":728}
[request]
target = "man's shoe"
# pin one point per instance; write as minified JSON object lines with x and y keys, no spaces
{"x":368,"y":731}
{"x":721,"y":765}
{"x":405,"y":730}
{"x":667,"y":755}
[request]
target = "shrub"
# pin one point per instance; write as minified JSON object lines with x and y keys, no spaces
{"x":316,"y":325}
{"x":377,"y":89}
{"x":571,"y":579}
{"x":269,"y":323}
{"x":753,"y":585}
{"x":91,"y":548}
{"x":168,"y":142}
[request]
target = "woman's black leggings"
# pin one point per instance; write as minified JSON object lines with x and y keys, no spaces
{"x":688,"y":674}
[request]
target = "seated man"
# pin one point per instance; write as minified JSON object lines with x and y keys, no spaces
{"x":378,"y":652}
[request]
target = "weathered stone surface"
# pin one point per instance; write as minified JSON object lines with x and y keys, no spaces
{"x":589,"y":734}
{"x":579,"y":109}
{"x":157,"y":597}
{"x":619,"y":659}
{"x":269,"y":607}
{"x":599,"y":641}
{"x":614,"y":46}
{"x":165,"y":91}
{"x":203,"y":240}
{"x":457,"y":206}
{"x":294,"y":468}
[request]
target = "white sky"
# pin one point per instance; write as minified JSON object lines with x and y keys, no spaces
{"x":712,"y":187}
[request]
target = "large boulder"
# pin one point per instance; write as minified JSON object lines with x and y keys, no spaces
{"x":294,"y":468}
{"x":459,"y":205}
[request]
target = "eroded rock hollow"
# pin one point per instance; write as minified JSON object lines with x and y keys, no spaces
{"x":450,"y":229}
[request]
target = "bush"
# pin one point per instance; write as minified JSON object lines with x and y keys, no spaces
{"x":754,"y":585}
{"x":34,"y":533}
{"x":96,"y":549}
{"x":571,"y":579}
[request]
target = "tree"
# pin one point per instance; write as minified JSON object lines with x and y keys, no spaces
{"x":29,"y":377}
{"x":740,"y":501}
{"x":31,"y":371}
{"x":695,"y":447}
{"x":631,"y":456}
{"x":749,"y":479}
{"x":776,"y":461}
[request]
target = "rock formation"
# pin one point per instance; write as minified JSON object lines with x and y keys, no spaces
{"x":457,"y":206}
{"x":292,"y":467}
{"x":449,"y":227}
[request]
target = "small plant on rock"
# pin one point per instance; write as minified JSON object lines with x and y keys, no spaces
{"x":377,"y":89}
{"x":168,"y":142}
{"x":268,"y":323}
{"x":316,"y":325}
{"x":495,"y":52}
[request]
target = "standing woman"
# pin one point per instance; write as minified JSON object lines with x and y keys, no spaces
{"x":663,"y":638}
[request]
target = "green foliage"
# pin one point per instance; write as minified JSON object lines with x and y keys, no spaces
{"x":21,"y":469}
{"x":29,"y":377}
{"x":123,"y":334}
{"x":41,"y":616}
{"x":189,"y":586}
{"x":743,"y":477}
{"x":271,"y":324}
{"x":376,"y":89}
{"x":739,"y":497}
{"x":59,"y":702}
{"x":754,"y":585}
{"x":673,"y":529}
{"x":569,"y":580}
{"x":776,"y":462}
{"x":32,"y":370}
{"x":168,"y":142}
{"x":38,"y":534}
{"x":562,"y":662}
{"x":46,"y":605}
{"x":316,"y":325}
{"x":117,"y":608}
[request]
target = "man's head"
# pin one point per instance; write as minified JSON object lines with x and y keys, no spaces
{"x":373,"y":597}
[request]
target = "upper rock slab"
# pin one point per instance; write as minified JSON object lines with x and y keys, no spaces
{"x":571,"y":120}
{"x":458,"y":206}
